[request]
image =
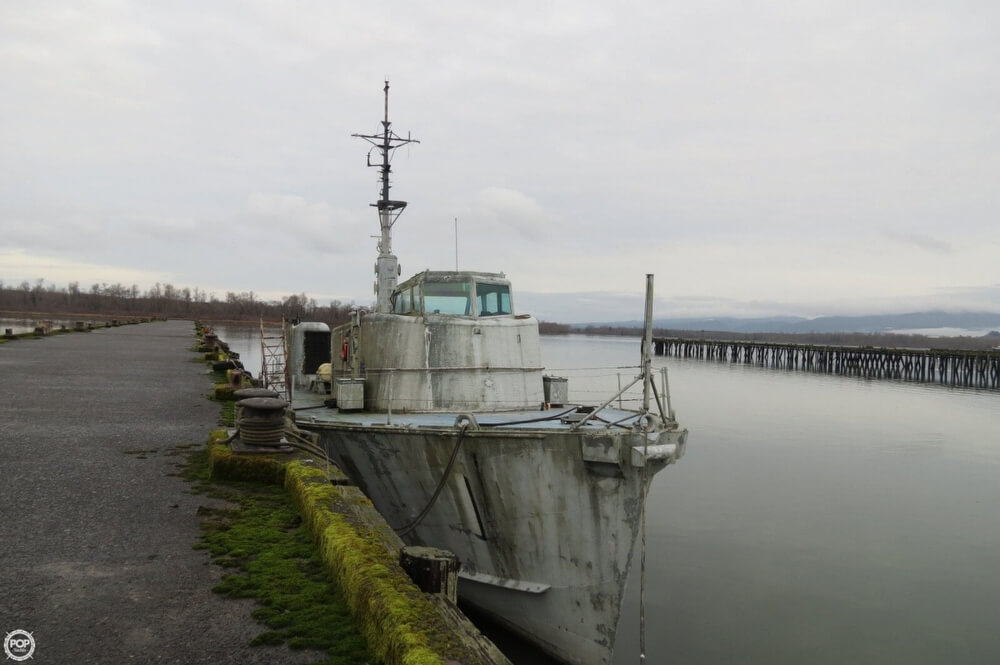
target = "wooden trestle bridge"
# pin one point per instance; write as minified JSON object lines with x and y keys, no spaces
{"x":979,"y":369}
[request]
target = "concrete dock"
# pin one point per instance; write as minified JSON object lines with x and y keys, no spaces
{"x":96,"y":557}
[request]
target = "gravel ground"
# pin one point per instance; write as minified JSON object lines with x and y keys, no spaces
{"x":96,"y":557}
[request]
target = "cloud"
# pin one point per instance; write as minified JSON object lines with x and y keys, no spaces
{"x":20,"y":265}
{"x":48,"y":230}
{"x":924,"y":242}
{"x":165,"y":228}
{"x":747,"y":155}
{"x":291,"y":220}
{"x":508,"y":210}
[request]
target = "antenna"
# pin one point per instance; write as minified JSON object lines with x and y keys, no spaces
{"x":388,"y":210}
{"x":456,"y":244}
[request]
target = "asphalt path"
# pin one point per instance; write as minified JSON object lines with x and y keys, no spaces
{"x":96,"y":557}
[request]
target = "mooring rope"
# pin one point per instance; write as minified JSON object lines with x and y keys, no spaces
{"x":296,"y":440}
{"x":542,"y":419}
{"x":403,"y":530}
{"x":305,"y":444}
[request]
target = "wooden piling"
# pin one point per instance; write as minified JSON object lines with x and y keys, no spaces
{"x":978,"y":369}
{"x":433,"y":570}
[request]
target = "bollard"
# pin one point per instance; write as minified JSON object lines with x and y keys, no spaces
{"x":433,"y":570}
{"x":247,"y":393}
{"x":260,"y":421}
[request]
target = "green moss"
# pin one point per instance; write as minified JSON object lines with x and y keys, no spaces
{"x":225,"y":465}
{"x":224,"y":391}
{"x":272,"y":559}
{"x":400,"y":624}
{"x":398,"y":620}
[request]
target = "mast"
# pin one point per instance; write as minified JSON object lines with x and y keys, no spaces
{"x":386,"y":266}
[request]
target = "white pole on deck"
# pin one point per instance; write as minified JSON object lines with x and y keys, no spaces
{"x":647,"y":345}
{"x":647,"y":379}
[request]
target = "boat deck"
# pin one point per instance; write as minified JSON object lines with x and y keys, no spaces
{"x":310,"y":409}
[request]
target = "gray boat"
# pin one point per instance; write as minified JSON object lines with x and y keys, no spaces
{"x":437,"y":405}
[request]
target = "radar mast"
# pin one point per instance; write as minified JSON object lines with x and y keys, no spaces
{"x":387,"y":266}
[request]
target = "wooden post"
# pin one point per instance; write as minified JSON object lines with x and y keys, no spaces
{"x":432,"y":570}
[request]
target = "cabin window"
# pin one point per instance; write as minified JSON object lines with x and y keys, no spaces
{"x":401,"y":302}
{"x":415,"y":302}
{"x":447,"y":298}
{"x":492,"y":299}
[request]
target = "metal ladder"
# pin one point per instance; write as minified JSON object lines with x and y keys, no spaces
{"x":274,"y":368}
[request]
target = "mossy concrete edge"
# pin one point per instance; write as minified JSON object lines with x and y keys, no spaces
{"x":403,"y":626}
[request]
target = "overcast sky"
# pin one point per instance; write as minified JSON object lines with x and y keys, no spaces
{"x":760,"y":158}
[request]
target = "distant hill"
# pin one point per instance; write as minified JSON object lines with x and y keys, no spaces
{"x":790,"y":324}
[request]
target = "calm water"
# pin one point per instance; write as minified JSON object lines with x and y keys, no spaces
{"x":22,"y":325}
{"x":814,"y":518}
{"x":245,"y":340}
{"x":19,"y":326}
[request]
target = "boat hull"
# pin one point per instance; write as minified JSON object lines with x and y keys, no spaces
{"x":544,"y":520}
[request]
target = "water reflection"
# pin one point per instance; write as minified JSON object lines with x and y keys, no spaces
{"x":244,"y":338}
{"x":21,"y":326}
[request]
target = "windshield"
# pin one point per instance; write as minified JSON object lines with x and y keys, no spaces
{"x":492,"y":299}
{"x":447,"y":298}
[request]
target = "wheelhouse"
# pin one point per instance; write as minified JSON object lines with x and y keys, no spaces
{"x":467,"y":294}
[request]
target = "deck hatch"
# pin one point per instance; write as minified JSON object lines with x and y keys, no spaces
{"x":316,"y":349}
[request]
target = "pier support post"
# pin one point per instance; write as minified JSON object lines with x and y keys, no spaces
{"x":433,"y":570}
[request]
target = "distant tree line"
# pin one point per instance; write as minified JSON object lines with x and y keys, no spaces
{"x":888,"y":340}
{"x":160,"y":300}
{"x":32,"y":300}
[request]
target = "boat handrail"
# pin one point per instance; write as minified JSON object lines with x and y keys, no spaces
{"x":593,"y":413}
{"x":465,"y":368}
